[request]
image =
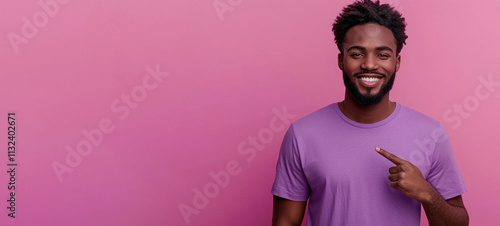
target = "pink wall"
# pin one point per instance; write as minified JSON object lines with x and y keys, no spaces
{"x":144,"y":100}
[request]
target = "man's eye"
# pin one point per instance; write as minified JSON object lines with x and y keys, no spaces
{"x":383,"y":55}
{"x":356,"y":54}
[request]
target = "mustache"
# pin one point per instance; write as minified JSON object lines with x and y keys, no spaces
{"x":369,"y":72}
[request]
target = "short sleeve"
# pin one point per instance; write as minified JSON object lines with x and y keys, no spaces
{"x":444,"y":175}
{"x":290,"y":182}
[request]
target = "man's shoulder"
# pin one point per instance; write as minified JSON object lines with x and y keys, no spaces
{"x":414,"y":116}
{"x":317,"y":117}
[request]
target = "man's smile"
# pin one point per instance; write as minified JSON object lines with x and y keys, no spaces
{"x":369,"y":82}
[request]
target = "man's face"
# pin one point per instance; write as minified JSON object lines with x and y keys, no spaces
{"x":369,"y":62}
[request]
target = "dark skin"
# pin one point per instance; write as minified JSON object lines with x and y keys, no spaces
{"x":369,"y":50}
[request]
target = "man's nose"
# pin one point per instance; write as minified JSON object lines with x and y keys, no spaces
{"x":370,"y":63}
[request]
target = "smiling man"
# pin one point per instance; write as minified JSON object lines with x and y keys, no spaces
{"x":367,"y":160}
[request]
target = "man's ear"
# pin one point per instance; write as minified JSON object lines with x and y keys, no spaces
{"x":398,"y":61}
{"x":341,"y":60}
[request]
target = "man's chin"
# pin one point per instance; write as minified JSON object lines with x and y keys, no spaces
{"x":366,"y":98}
{"x":369,"y":91}
{"x":367,"y":94}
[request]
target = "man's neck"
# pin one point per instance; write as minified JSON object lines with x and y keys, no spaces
{"x":366,"y":114}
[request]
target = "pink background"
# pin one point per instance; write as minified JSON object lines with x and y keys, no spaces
{"x":225,"y":76}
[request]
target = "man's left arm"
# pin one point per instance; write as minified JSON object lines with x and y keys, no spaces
{"x":445,"y":212}
{"x":407,"y":178}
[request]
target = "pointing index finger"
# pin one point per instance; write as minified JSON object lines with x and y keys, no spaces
{"x":391,"y":157}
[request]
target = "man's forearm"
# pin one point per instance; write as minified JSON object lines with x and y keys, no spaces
{"x":440,"y":212}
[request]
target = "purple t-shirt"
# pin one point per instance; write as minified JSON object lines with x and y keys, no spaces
{"x":331,"y":160}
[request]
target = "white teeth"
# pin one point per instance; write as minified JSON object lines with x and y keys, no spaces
{"x":369,"y":79}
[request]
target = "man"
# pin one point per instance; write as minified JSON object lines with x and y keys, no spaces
{"x":367,"y":160}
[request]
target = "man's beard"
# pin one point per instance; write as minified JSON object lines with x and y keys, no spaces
{"x":367,"y":99}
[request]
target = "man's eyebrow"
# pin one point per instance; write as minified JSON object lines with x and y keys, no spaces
{"x":384,"y":48}
{"x":356,"y":47}
{"x":363,"y":48}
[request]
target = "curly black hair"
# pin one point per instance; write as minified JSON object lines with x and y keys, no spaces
{"x":365,"y":11}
